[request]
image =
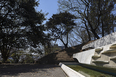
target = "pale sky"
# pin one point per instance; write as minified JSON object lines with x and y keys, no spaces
{"x":48,"y":6}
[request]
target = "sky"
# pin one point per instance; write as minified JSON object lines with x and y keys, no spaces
{"x":48,"y":6}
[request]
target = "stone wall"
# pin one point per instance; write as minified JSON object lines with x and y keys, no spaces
{"x":109,"y":39}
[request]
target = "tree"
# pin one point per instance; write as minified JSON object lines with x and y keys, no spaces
{"x":16,"y":56}
{"x":82,"y":34}
{"x":28,"y":58}
{"x":60,"y":25}
{"x":9,"y":40}
{"x":103,"y":15}
{"x":20,"y":25}
{"x":48,"y":48}
{"x":51,"y":48}
{"x":95,"y":14}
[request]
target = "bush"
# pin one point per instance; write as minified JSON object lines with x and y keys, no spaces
{"x":28,"y":59}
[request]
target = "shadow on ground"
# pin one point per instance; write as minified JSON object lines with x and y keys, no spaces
{"x":16,"y":69}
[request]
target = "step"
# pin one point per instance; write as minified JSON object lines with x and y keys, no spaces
{"x":113,"y":46}
{"x":113,"y":58}
{"x":109,"y":51}
{"x":96,"y":56}
{"x":98,"y":49}
{"x":100,"y":61}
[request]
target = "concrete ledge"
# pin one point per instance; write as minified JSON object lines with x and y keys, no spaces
{"x":70,"y":72}
{"x":84,"y":57}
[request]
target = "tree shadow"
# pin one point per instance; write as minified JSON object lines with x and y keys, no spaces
{"x":16,"y":69}
{"x":48,"y":59}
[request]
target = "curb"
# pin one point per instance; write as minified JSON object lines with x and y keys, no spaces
{"x":70,"y":72}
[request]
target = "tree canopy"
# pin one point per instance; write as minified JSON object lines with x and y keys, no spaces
{"x":60,"y":25}
{"x":20,"y":25}
{"x":96,"y":15}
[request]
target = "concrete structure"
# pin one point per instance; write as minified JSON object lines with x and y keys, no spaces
{"x":101,"y":56}
{"x":70,"y":72}
{"x":84,"y":57}
{"x":109,"y":39}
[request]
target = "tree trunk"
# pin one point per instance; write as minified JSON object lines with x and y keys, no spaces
{"x":92,"y":30}
{"x":67,"y":42}
{"x":88,"y":32}
{"x":102,"y":30}
{"x":66,"y":46}
{"x":5,"y":55}
{"x":64,"y":43}
{"x":5,"y":59}
{"x":113,"y":28}
{"x":95,"y":34}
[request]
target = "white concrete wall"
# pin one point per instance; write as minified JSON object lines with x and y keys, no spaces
{"x":109,"y":39}
{"x":85,"y":56}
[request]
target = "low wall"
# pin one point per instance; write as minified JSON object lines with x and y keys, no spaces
{"x":109,"y":39}
{"x":70,"y":72}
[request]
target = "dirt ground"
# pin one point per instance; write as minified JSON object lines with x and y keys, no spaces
{"x":30,"y":70}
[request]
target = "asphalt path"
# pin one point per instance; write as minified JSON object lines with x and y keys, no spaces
{"x":31,"y":70}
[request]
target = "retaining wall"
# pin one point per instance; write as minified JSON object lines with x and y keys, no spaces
{"x":109,"y":39}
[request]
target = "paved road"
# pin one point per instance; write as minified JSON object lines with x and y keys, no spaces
{"x":31,"y":70}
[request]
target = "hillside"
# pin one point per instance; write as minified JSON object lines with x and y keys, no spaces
{"x":59,"y":56}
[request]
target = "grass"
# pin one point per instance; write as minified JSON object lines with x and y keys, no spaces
{"x":107,"y":69}
{"x":90,"y":72}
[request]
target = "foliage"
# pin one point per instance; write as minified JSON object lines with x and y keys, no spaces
{"x":56,"y":48}
{"x":16,"y":56}
{"x":60,"y":25}
{"x":50,"y":49}
{"x":20,"y":25}
{"x":28,"y":59}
